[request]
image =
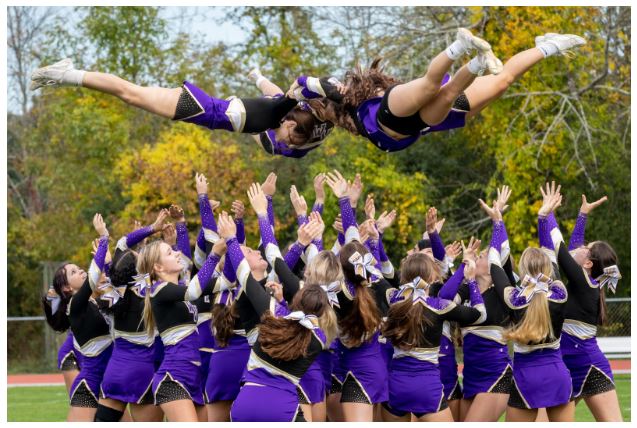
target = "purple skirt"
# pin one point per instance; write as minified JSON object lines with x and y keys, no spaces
{"x":275,"y":401}
{"x":580,"y":355}
{"x":129,"y":374}
{"x":226,"y":370}
{"x":181,"y":364}
{"x":448,"y":366}
{"x":387,"y":350}
{"x":366,"y":366}
{"x":214,"y":114}
{"x":485,"y":361}
{"x":415,"y":386}
{"x":92,"y":372}
{"x":541,"y":378}
{"x":313,"y":383}
{"x":67,"y":350}
{"x":159,"y":352}
{"x":338,"y":372}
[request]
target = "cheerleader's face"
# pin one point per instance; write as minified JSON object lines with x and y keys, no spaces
{"x":75,"y":277}
{"x":255,"y":261}
{"x":482,"y":264}
{"x":582,"y":256}
{"x":168,"y":260}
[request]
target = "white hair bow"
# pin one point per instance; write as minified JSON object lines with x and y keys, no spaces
{"x":142,"y":281}
{"x":331,"y":289}
{"x":364,"y":264}
{"x":539,"y":283}
{"x":610,"y":278}
{"x":308,"y":321}
{"x":418,"y":289}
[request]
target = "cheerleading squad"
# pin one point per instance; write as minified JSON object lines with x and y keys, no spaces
{"x":391,"y":114}
{"x":232,"y":333}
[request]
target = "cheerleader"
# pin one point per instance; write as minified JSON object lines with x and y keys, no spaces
{"x":588,"y":268}
{"x":414,"y":327}
{"x":487,"y":367}
{"x":129,"y":374}
{"x":285,"y":347}
{"x":279,"y":117}
{"x":316,"y":381}
{"x":177,"y":382}
{"x":362,"y":303}
{"x":393,"y":115}
{"x":91,"y":330}
{"x":540,"y":377}
{"x":58,"y":297}
{"x":268,"y":139}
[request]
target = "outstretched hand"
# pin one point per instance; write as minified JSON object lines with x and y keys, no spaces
{"x":319,"y":188}
{"x":370,"y":207}
{"x":169,"y":234}
{"x":99,"y":225}
{"x":238,"y":209}
{"x":504,"y":193}
{"x":337,"y":183}
{"x":226,"y":226}
{"x":201,"y":183}
{"x":493,"y":212}
{"x":385,"y":220}
{"x":256,"y":196}
{"x":176,"y":213}
{"x":588,"y":207}
{"x":355,"y":188}
{"x":269,"y":185}
{"x":158,"y":225}
{"x":298,"y":202}
{"x":431,"y":219}
{"x":551,"y":199}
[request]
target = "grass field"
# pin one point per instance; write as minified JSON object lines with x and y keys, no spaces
{"x":50,"y":403}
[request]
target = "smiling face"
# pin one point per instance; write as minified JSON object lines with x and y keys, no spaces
{"x":75,"y":277}
{"x":168,"y":262}
{"x":255,"y":261}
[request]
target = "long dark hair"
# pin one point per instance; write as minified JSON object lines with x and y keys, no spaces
{"x":602,"y":255}
{"x":304,"y":128}
{"x":361,"y":323}
{"x":287,"y":339}
{"x":58,"y":321}
{"x":406,"y":322}
{"x":362,"y":84}
{"x":223,"y":321}
{"x":122,"y":271}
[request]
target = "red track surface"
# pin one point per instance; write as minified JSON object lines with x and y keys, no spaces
{"x":56,"y":378}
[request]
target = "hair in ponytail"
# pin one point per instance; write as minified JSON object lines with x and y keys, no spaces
{"x":146,"y":260}
{"x":364,"y":320}
{"x":60,"y":320}
{"x":535,"y":324}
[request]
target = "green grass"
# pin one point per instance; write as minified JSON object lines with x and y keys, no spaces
{"x":50,"y":403}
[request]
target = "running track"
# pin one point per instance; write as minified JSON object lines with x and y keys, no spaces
{"x":618,"y":367}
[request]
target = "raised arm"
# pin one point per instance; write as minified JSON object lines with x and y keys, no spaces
{"x":577,"y":236}
{"x":340,"y":188}
{"x":238,"y":209}
{"x":437,"y":246}
{"x":269,"y":188}
{"x":183,"y":243}
{"x":307,"y":87}
{"x":208,"y":222}
{"x":138,"y":235}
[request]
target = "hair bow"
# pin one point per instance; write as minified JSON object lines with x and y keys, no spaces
{"x":364,"y":264}
{"x":610,"y":278}
{"x":331,"y":289}
{"x":142,"y":281}
{"x":417,"y":287}
{"x":530,"y":285}
{"x":308,"y":321}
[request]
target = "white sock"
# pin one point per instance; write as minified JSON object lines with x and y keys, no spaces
{"x":73,"y":77}
{"x":548,"y":49}
{"x":260,"y":79}
{"x":476,"y":66}
{"x":455,"y":50}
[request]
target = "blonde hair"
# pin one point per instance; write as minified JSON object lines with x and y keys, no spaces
{"x":324,"y":269}
{"x":146,"y":260}
{"x":535,"y":325}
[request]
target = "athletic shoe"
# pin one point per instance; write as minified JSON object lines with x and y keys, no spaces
{"x":254,"y":74}
{"x":470,"y":42}
{"x":51,"y":75}
{"x":563,"y":42}
{"x":491,"y":62}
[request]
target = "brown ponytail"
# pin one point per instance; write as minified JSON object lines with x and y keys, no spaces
{"x":364,"y":320}
{"x":223,"y":321}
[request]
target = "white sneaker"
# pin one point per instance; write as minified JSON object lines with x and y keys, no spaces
{"x":491,"y":62}
{"x":254,"y":74}
{"x":470,"y":42}
{"x":51,"y":75}
{"x":563,"y":42}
